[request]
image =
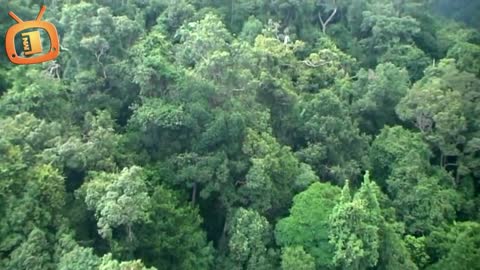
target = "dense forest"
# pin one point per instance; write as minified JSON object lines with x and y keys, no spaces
{"x":244,"y":134}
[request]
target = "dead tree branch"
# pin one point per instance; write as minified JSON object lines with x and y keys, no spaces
{"x":329,"y":19}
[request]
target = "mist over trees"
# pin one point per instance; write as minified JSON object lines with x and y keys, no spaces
{"x":244,"y":134}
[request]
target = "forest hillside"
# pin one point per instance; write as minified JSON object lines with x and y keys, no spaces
{"x":244,"y":135}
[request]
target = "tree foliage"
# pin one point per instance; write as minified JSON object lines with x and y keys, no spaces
{"x":207,"y":134}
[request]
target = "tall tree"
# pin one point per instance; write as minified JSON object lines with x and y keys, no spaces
{"x":377,"y":93}
{"x":307,"y":226}
{"x":119,"y":201}
{"x":173,"y":222}
{"x":275,"y":176}
{"x":402,"y":160}
{"x":355,"y":228}
{"x":329,"y":139}
{"x":250,"y":235}
{"x":442,"y":106}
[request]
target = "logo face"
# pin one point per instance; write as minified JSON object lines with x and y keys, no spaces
{"x":31,"y":43}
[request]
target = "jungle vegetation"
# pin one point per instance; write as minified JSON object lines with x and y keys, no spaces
{"x":244,"y":134}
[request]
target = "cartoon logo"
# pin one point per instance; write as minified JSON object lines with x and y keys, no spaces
{"x":31,"y":41}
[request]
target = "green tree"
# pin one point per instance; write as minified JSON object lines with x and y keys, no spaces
{"x":173,"y":222}
{"x":33,"y":254}
{"x":409,"y":57}
{"x":388,"y":26}
{"x":466,"y":55}
{"x":175,"y":14}
{"x":108,"y":263}
{"x":324,"y":67}
{"x":418,"y":249}
{"x":442,"y":108}
{"x":307,"y":225}
{"x":421,"y":193}
{"x":119,"y":201}
{"x":37,"y":91}
{"x":200,"y":39}
{"x":96,"y":56}
{"x":156,"y":117}
{"x":236,"y":109}
{"x":354,"y":231}
{"x":251,"y":29}
{"x":275,"y":175}
{"x":32,"y":196}
{"x":250,"y":235}
{"x":73,"y":256}
{"x":329,"y":139}
{"x":204,"y":175}
{"x":297,"y":258}
{"x":377,"y":93}
{"x":154,"y":69}
{"x":419,"y":196}
{"x":461,"y":247}
{"x":394,"y":251}
{"x":390,"y":147}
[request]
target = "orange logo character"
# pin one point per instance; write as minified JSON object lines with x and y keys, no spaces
{"x":31,"y":41}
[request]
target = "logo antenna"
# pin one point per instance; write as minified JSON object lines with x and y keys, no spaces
{"x":39,"y":16}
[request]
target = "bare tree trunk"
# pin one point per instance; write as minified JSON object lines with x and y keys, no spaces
{"x":457,"y":174}
{"x":444,"y":163}
{"x":231,"y":13}
{"x":194,"y":193}
{"x":222,"y":243}
{"x":329,"y":19}
{"x":130,"y":239}
{"x":457,"y":177}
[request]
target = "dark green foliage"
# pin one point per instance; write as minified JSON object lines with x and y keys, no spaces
{"x":73,"y":256}
{"x":331,"y":141}
{"x":275,"y":175}
{"x":459,"y":246}
{"x":31,"y":254}
{"x":376,"y":93}
{"x":422,"y":194}
{"x":391,"y":146}
{"x":409,"y":57}
{"x":443,"y":106}
{"x":174,"y":222}
{"x":208,"y":134}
